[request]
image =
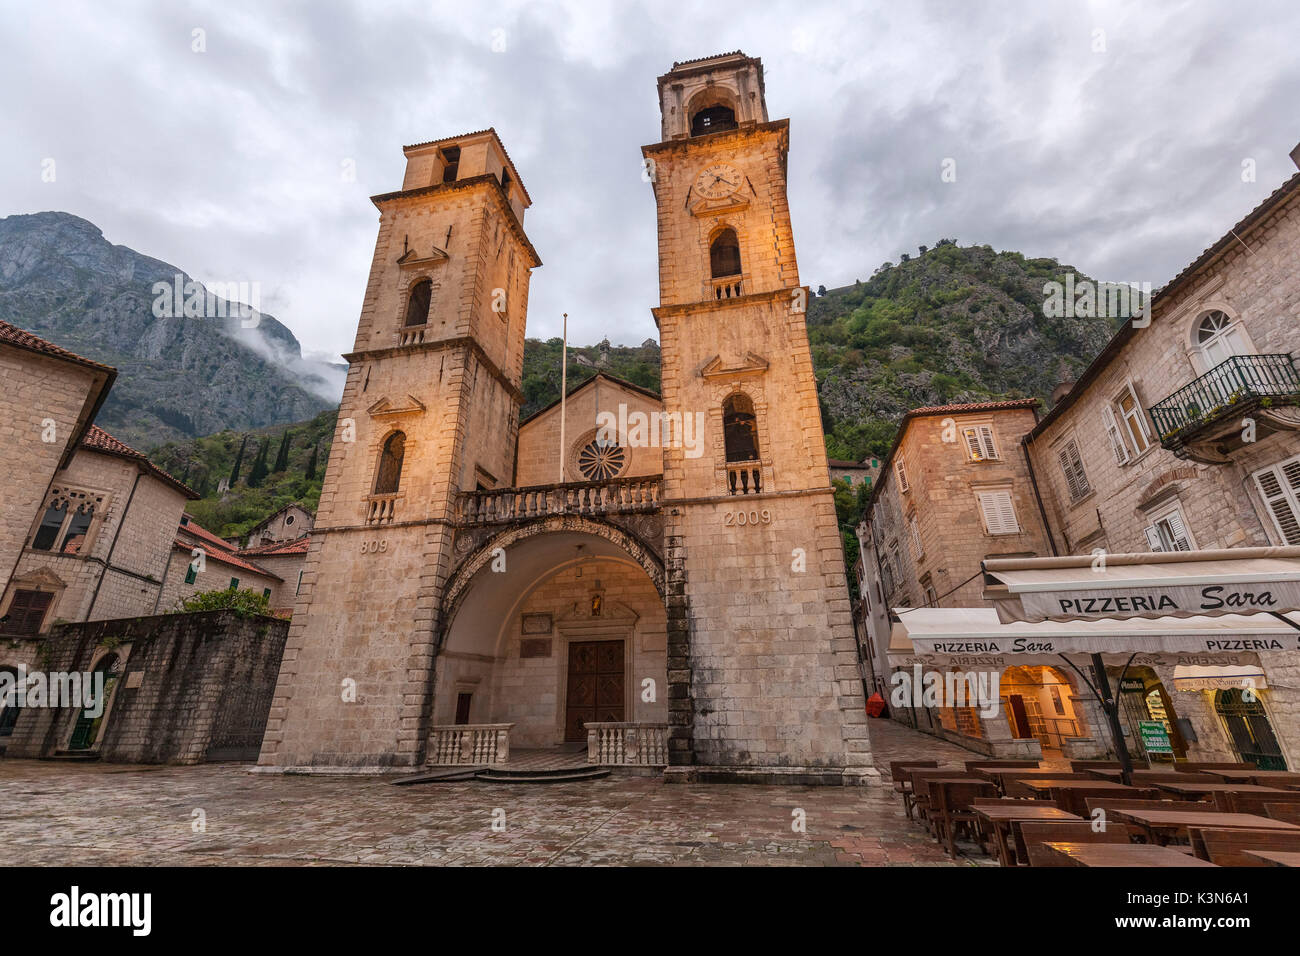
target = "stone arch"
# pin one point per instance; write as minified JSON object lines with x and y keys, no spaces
{"x":459,"y":584}
{"x":716,"y":98}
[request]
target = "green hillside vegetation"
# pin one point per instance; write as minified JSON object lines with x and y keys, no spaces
{"x":259,"y":491}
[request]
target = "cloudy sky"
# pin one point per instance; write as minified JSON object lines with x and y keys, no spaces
{"x":1118,"y":137}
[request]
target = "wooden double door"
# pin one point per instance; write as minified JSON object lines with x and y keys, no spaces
{"x":596,"y":686}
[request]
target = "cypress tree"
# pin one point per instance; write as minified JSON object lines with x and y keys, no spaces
{"x":257,"y":474}
{"x":239,"y":460}
{"x":282,"y":456}
{"x":311,"y":462}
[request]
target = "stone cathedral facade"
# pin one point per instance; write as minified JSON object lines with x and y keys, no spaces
{"x":669,"y":595}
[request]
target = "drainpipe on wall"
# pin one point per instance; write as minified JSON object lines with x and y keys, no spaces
{"x":1038,"y":498}
{"x":108,"y":561}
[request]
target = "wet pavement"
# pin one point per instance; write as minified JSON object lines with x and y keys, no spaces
{"x":220,"y":814}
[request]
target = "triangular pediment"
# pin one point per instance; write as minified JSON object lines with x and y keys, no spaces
{"x":410,"y":258}
{"x":718,"y":207}
{"x":40,"y":578}
{"x":385,"y":407}
{"x":718,"y":367}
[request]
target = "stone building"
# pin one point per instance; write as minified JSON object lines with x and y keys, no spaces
{"x":1184,"y":434}
{"x":672,"y":592}
{"x":96,"y":547}
{"x":291,"y":522}
{"x":49,"y":400}
{"x":954,"y":489}
{"x":201,"y":561}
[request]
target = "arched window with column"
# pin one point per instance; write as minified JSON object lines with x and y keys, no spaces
{"x":417,"y":304}
{"x":724,"y":254}
{"x":389,"y":475}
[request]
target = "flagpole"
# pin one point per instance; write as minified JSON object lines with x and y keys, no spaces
{"x":564,"y":389}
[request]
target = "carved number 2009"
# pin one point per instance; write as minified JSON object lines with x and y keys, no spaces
{"x":733,"y":518}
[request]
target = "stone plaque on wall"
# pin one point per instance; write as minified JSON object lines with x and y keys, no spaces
{"x":535,"y":647}
{"x":536,"y":624}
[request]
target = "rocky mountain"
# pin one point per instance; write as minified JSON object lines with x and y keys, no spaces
{"x":952,"y":324}
{"x":177,"y":376}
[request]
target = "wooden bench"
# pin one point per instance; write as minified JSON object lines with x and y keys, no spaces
{"x":1233,"y":801}
{"x":1286,"y":812}
{"x":951,"y":810}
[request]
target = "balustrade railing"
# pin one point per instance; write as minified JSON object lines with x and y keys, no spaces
{"x":744,"y":477}
{"x":455,"y":744}
{"x":627,"y":743}
{"x":727,"y":287}
{"x":380,"y":509}
{"x":1222,"y":391}
{"x":619,"y":496}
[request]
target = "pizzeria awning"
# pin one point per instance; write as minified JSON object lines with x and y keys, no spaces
{"x":1219,"y":677}
{"x":1176,"y":584}
{"x":976,"y":637}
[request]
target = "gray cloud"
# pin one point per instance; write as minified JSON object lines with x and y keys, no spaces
{"x":228,"y":163}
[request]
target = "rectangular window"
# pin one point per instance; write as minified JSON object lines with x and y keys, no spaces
{"x":266,"y":593}
{"x":26,"y":613}
{"x":1132,"y":423}
{"x":1113,"y":434}
{"x":999,"y":512}
{"x":191,"y":573}
{"x":234,"y":583}
{"x":901,"y":471}
{"x":48,"y":531}
{"x":980,"y":445}
{"x":915,"y":528}
{"x":1168,"y":533}
{"x":1076,"y":479}
{"x":1279,"y":486}
{"x":298,"y":587}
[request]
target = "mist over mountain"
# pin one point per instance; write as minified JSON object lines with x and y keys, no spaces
{"x":178,"y":376}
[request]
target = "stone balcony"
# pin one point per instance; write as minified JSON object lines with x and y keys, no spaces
{"x":589,"y":498}
{"x":1203,"y":419}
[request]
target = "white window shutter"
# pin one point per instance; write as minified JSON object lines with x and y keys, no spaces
{"x":1279,"y":486}
{"x":1007,"y":512}
{"x":973,"y":449}
{"x":989,"y":511}
{"x":1116,"y":439}
{"x":990,"y":446}
{"x":999,"y":512}
{"x":1179,"y":532}
{"x":901,"y":472}
{"x":1153,"y":538}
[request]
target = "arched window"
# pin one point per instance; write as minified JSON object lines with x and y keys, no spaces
{"x":417,"y":306}
{"x":712,"y":119}
{"x":740,"y":428}
{"x":1219,"y":338}
{"x":390,"y":464}
{"x":724,"y":254}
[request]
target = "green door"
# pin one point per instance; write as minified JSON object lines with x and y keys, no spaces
{"x":86,"y":731}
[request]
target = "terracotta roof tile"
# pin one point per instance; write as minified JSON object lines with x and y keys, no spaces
{"x":20,"y":338}
{"x":96,"y":439}
{"x":203,"y":534}
{"x":225,"y":557}
{"x":278,"y":548}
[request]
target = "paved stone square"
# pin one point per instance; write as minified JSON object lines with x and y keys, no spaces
{"x":105,"y":814}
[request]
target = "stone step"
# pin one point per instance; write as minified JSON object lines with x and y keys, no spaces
{"x":451,"y":775}
{"x":540,"y":776}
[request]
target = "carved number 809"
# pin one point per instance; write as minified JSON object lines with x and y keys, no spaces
{"x":373,"y":547}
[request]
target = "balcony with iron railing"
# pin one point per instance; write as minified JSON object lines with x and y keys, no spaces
{"x":619,"y":496}
{"x":1239,"y":386}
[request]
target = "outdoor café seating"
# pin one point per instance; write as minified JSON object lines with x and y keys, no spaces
{"x":1034,"y":835}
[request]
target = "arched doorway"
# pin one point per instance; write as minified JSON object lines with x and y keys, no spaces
{"x":90,"y":722}
{"x":1248,"y":728}
{"x":1039,"y":702}
{"x":1143,"y":698}
{"x":564,"y":627}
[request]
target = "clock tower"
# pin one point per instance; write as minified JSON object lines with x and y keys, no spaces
{"x":762,"y":664}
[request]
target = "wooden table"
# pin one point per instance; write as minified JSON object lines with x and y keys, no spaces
{"x":1265,"y":778}
{"x":1105,"y":774}
{"x":1276,"y":857}
{"x":1002,"y":815}
{"x":1123,"y":854}
{"x":1199,"y":788}
{"x":1050,"y":783}
{"x":1163,"y":825}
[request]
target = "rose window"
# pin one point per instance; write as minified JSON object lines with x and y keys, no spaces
{"x":601,"y":460}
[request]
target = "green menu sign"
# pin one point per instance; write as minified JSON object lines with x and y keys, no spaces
{"x":1155,"y":739}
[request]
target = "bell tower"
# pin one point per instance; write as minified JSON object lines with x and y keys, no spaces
{"x":762,"y":663}
{"x":430,"y":409}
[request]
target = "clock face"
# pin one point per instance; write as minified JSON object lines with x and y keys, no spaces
{"x":717,"y":181}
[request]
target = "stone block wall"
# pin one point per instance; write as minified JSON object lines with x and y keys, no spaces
{"x":191,"y":687}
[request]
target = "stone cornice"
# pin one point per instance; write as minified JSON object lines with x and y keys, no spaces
{"x":715,"y":305}
{"x":741,"y":132}
{"x":442,"y":345}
